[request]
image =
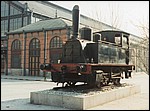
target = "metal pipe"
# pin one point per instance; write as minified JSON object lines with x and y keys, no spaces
{"x":7,"y":56}
{"x":44,"y":74}
{"x":24,"y":68}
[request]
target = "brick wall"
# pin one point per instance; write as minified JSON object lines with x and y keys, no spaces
{"x":29,"y":36}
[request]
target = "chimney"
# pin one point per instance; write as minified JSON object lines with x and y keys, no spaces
{"x":75,"y":21}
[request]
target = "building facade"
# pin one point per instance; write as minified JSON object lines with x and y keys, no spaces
{"x":14,"y":15}
{"x":37,"y":43}
{"x":17,"y":14}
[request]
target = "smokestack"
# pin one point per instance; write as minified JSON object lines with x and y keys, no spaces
{"x":75,"y":21}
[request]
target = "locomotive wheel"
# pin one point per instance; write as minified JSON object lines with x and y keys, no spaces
{"x":98,"y":82}
{"x":116,"y":81}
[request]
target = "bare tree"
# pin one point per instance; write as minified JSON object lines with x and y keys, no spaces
{"x":110,"y":15}
{"x":114,"y":15}
{"x":142,"y":47}
{"x":100,"y":17}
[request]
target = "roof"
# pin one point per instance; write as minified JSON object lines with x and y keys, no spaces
{"x":113,"y":31}
{"x":48,"y":9}
{"x":50,"y":24}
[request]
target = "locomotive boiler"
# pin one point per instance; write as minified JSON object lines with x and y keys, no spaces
{"x":95,"y":59}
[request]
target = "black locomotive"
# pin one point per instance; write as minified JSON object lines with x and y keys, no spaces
{"x":96,"y":61}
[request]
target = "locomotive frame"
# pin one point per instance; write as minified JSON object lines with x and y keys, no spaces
{"x":82,"y":58}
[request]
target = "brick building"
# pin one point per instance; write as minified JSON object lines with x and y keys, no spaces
{"x":34,"y":44}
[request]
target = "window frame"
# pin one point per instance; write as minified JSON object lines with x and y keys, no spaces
{"x":16,"y":54}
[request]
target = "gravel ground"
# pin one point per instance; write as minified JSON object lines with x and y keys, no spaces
{"x":138,"y":101}
{"x":82,"y":90}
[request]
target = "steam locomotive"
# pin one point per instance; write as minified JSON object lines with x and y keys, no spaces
{"x":97,"y":62}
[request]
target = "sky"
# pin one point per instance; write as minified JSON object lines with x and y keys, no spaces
{"x":128,"y":14}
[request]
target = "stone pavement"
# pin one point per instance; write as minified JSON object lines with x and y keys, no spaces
{"x":29,"y":78}
{"x":138,"y":101}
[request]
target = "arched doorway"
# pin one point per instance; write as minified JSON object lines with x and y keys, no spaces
{"x":34,"y":57}
{"x":55,"y":49}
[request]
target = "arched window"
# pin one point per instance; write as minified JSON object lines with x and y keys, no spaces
{"x":34,"y":47}
{"x":16,"y":54}
{"x":34,"y":57}
{"x":55,"y":49}
{"x":56,"y":42}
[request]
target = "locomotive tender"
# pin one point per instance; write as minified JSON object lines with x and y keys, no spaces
{"x":96,"y":62}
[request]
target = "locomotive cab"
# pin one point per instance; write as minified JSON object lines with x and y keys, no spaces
{"x":119,"y":38}
{"x":118,"y":45}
